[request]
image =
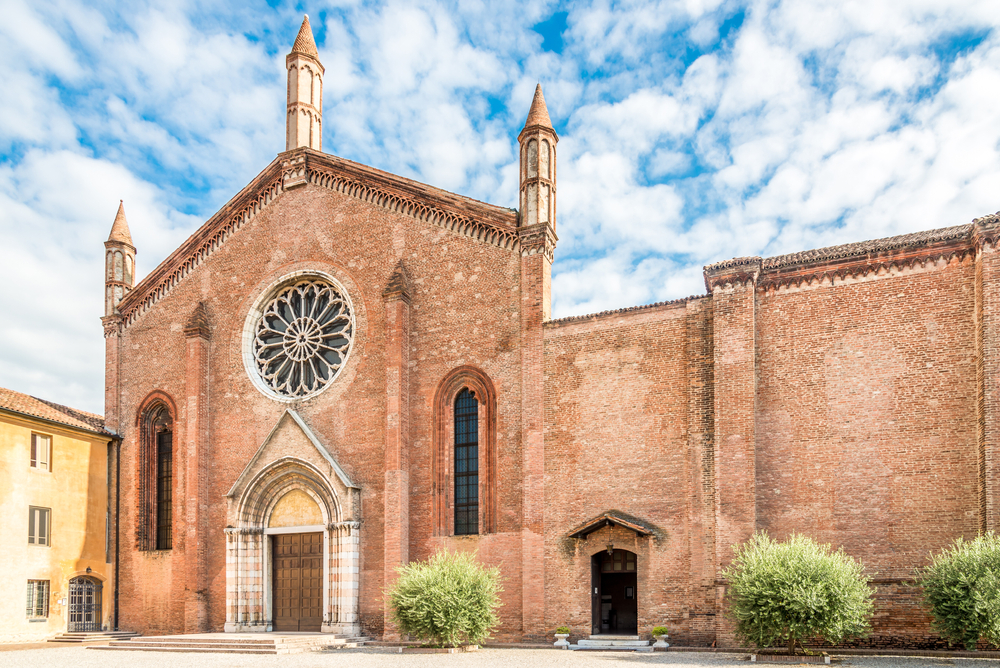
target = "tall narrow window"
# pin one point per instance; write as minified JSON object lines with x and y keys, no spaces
{"x":41,"y":452}
{"x":38,"y":526}
{"x":38,"y":599}
{"x":164,"y":490}
{"x":466,"y":463}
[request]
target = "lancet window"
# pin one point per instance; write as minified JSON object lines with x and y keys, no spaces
{"x":466,"y":463}
{"x":155,"y":478}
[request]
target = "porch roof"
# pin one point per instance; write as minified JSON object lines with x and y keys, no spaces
{"x":609,"y":518}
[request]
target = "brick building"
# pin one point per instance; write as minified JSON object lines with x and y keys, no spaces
{"x":344,"y":370}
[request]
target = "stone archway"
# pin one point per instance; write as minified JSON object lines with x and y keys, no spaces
{"x":303,"y":495}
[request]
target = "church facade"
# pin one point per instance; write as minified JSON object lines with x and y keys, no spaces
{"x":344,"y":370}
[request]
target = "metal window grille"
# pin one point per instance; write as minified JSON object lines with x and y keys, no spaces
{"x":38,"y":526}
{"x":38,"y":599}
{"x":466,"y":463}
{"x":164,"y":490}
{"x":85,"y":596}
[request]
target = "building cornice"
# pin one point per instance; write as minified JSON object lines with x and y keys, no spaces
{"x":538,"y":239}
{"x":486,"y":223}
{"x":630,"y":310}
{"x":855,"y":261}
{"x":490,"y":224}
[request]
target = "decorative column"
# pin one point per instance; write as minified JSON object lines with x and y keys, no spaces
{"x":732,"y":285}
{"x":397,"y":442}
{"x":232,"y":579}
{"x":245,"y":581}
{"x":345,"y":569}
{"x":195,"y":445}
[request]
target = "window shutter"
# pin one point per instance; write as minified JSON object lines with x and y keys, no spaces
{"x":34,"y":449}
{"x":31,"y":526}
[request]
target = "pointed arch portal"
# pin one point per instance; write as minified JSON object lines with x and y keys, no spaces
{"x":293,"y":538}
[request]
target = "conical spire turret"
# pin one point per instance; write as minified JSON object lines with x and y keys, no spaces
{"x":538,"y":165}
{"x":304,"y":121}
{"x":304,"y":42}
{"x":539,"y":113}
{"x":119,"y":229}
{"x":119,"y":263}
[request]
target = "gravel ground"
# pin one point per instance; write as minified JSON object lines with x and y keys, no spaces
{"x":79,"y":657}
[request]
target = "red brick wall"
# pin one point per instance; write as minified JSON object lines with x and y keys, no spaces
{"x":625,"y":429}
{"x":866,"y":421}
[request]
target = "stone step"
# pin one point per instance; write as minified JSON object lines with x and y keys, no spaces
{"x":204,"y":643}
{"x":146,"y":645}
{"x":284,"y":641}
{"x":92,"y":636}
{"x":608,"y":642}
{"x":612,"y":636}
{"x":346,"y":640}
{"x":193,"y":650}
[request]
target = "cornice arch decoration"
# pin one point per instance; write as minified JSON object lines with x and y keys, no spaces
{"x":479,"y":383}
{"x":462,"y":225}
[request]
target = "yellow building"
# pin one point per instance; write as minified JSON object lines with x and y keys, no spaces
{"x":54,"y":519}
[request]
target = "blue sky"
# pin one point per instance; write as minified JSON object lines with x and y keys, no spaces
{"x":690,"y":131}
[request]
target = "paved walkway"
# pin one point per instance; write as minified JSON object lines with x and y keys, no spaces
{"x":80,"y":657}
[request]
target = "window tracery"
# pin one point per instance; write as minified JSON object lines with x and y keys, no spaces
{"x":303,"y":337}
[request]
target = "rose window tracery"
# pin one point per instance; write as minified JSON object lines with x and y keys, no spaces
{"x":302,"y":338}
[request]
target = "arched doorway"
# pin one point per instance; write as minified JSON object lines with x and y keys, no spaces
{"x":292,"y":544}
{"x":85,"y":595}
{"x":614,"y":595}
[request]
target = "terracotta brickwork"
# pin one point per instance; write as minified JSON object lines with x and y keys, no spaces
{"x":625,"y":409}
{"x":848,"y":393}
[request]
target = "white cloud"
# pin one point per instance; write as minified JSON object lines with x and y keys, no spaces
{"x":813,"y":123}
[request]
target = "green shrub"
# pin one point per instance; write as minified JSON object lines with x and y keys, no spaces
{"x":784,"y":592}
{"x":962,"y":589}
{"x":447,"y":600}
{"x":562,"y":629}
{"x":659,"y":631}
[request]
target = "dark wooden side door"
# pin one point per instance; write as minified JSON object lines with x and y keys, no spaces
{"x":297,"y":559}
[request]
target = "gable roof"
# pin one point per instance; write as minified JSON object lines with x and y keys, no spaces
{"x":486,"y":223}
{"x":611,"y":518}
{"x":48,"y":411}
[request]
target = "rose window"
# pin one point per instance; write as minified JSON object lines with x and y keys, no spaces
{"x":302,"y":338}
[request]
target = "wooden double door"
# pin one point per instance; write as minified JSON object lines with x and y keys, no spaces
{"x":297,"y":561}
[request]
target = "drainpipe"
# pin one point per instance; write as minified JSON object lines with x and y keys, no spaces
{"x":118,"y":499}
